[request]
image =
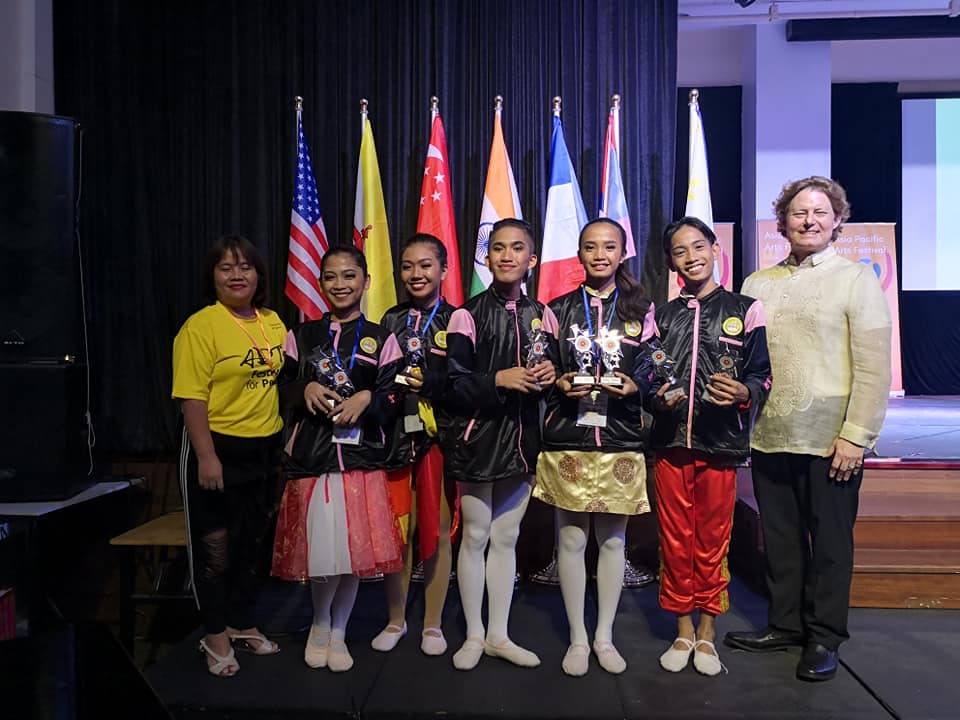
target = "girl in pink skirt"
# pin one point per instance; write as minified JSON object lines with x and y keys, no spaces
{"x":336,"y":523}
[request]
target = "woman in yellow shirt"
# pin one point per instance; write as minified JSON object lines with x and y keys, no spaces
{"x":225,"y":363}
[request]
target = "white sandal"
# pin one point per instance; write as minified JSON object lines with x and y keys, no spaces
{"x":264,"y":645}
{"x":221,"y":662}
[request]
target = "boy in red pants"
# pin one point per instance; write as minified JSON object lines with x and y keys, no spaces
{"x":717,"y":340}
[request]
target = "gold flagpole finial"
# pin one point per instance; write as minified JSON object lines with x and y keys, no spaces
{"x":498,"y":103}
{"x":615,"y":101}
{"x":556,"y":104}
{"x":434,"y":104}
{"x":694,"y":97}
{"x":298,"y":102}
{"x":363,"y":105}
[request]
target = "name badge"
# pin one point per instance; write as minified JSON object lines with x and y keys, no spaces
{"x":592,"y":410}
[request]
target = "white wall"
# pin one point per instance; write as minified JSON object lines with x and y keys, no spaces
{"x":26,"y":55}
{"x":710,"y":57}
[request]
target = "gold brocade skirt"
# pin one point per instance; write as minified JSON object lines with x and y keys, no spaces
{"x":593,"y":481}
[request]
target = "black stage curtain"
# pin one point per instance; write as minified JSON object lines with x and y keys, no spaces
{"x":189,"y":133}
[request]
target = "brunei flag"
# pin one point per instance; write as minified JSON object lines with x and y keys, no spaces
{"x":370,"y":233}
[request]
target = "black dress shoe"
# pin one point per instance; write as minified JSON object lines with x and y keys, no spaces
{"x":764,"y":640}
{"x":817,"y":662}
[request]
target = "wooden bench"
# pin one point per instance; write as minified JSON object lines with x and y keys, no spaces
{"x":148,"y":546}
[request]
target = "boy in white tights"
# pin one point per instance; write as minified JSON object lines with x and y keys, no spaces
{"x":492,"y":445}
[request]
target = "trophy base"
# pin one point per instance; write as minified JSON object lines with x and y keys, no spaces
{"x":611,"y":381}
{"x":582,"y":380}
{"x":671,"y":394}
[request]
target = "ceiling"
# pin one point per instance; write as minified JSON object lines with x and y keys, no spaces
{"x":729,"y":12}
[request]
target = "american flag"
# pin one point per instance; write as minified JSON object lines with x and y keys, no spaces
{"x":308,"y":237}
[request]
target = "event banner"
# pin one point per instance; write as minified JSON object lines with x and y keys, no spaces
{"x":872,"y":244}
{"x":723,"y":270}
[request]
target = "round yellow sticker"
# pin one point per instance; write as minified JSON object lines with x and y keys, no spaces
{"x":633,"y":328}
{"x":368,"y":345}
{"x":440,"y":339}
{"x":733,"y":326}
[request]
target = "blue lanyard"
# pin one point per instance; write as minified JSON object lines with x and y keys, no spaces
{"x":356,"y":342}
{"x":423,"y":332}
{"x":586,"y":308}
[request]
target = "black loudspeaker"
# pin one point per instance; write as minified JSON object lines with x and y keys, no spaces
{"x":40,"y":302}
{"x":43,"y":446}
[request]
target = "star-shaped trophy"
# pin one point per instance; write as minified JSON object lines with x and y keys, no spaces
{"x":664,"y":367}
{"x":330,"y":372}
{"x":412,"y":345}
{"x":583,"y":354}
{"x":609,"y":342}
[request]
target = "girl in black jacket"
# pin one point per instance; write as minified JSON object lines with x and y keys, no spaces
{"x":592,"y":465}
{"x":421,"y":325}
{"x":336,"y":523}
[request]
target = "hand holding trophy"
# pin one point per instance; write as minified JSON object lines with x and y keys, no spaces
{"x":328,"y":371}
{"x":412,"y":345}
{"x":664,"y":368}
{"x":610,"y":353}
{"x":583,"y":353}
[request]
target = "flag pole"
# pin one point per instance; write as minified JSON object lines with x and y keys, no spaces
{"x":498,"y":103}
{"x":694,"y":98}
{"x":615,"y":101}
{"x":434,"y":106}
{"x":298,"y":107}
{"x":557,"y":101}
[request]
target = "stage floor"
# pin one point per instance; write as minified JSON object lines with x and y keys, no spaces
{"x":899,"y":664}
{"x":921,"y":428}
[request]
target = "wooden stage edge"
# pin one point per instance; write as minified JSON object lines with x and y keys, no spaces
{"x":906,"y":537}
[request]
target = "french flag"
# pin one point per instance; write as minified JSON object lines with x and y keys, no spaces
{"x":560,"y":269}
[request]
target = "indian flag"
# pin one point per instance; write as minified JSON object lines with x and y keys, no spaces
{"x":500,"y":200}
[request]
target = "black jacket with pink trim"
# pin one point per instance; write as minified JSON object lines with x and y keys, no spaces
{"x":723,"y":326}
{"x":406,"y":446}
{"x":628,"y":426}
{"x":494,"y":434}
{"x":310,"y":449}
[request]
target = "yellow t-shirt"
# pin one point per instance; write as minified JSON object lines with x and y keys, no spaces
{"x":232,"y":365}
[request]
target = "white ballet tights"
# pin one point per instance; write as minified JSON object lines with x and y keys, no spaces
{"x":610,"y":531}
{"x":491,"y":513}
{"x":333,"y":598}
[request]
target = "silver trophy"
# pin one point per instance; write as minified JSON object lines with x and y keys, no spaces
{"x":724,"y":363}
{"x":609,"y":342}
{"x":330,"y":372}
{"x":536,"y":345}
{"x":583,"y":353}
{"x":412,"y":345}
{"x":663,"y":368}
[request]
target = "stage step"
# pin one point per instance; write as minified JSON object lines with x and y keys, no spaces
{"x":907,"y":535}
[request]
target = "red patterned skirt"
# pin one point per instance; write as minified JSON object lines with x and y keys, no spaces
{"x":337,"y":524}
